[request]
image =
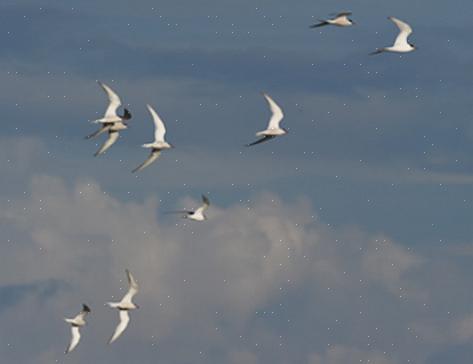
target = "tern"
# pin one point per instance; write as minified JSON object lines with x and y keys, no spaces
{"x":401,"y":45}
{"x":159,"y":141}
{"x":125,"y":305}
{"x":197,"y":215}
{"x":273,"y":129}
{"x":339,"y":20}
{"x":76,"y":323}
{"x":111,"y":122}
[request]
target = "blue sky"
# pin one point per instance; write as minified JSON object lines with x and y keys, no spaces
{"x":348,"y":240}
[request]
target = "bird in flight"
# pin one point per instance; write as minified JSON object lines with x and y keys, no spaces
{"x":273,"y":130}
{"x":340,"y":20}
{"x":159,"y":141}
{"x":111,"y":122}
{"x":76,"y":323}
{"x":196,"y":215}
{"x":125,"y":305}
{"x":401,"y":45}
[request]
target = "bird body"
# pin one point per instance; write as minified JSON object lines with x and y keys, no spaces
{"x":401,"y":44}
{"x":125,"y":305}
{"x":273,"y":129}
{"x":198,"y":214}
{"x":159,"y":142}
{"x":111,"y":122}
{"x":76,"y":322}
{"x":340,"y":20}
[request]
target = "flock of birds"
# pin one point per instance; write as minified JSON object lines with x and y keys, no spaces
{"x":112,"y":123}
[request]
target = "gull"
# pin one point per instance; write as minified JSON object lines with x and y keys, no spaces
{"x":125,"y":305}
{"x":339,"y":20}
{"x":401,"y":45}
{"x":273,"y":129}
{"x":159,"y":142}
{"x":111,"y":122}
{"x":76,"y":323}
{"x":197,"y":215}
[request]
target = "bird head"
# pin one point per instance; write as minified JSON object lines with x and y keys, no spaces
{"x":126,"y":115}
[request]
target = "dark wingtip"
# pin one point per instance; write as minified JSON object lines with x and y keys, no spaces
{"x":85,"y":308}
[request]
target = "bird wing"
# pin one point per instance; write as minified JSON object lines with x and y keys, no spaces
{"x":124,"y":319}
{"x":75,"y":337}
{"x":151,"y":158}
{"x":206,"y":204}
{"x":102,"y":130}
{"x":112,"y":138}
{"x":113,"y":99}
{"x":159,"y":128}
{"x":343,"y":13}
{"x":277,"y":113}
{"x":132,"y":289}
{"x":263,"y":139}
{"x":187,"y":212}
{"x":404,"y":31}
{"x":321,"y":24}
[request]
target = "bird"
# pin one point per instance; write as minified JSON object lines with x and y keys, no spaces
{"x":76,"y":323}
{"x":401,"y":45}
{"x":111,"y":122}
{"x":339,"y":20}
{"x":273,"y":129}
{"x":159,"y":141}
{"x":125,"y":305}
{"x":196,"y":215}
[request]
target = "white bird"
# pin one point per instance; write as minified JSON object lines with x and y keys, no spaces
{"x":273,"y":129}
{"x":111,"y":122}
{"x":339,"y":20}
{"x":197,"y":215}
{"x":125,"y":305}
{"x":76,"y":323}
{"x":401,"y":45}
{"x":114,"y":103}
{"x":159,"y":141}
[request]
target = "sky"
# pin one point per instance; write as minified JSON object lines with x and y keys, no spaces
{"x":348,"y":240}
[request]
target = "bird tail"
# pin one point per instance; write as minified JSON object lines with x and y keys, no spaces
{"x":113,"y":304}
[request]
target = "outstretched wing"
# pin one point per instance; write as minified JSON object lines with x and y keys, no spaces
{"x":132,"y":288}
{"x":343,"y":13}
{"x":124,"y":319}
{"x":206,"y":204}
{"x":112,"y":138}
{"x":404,"y":31}
{"x":263,"y":139}
{"x":75,"y":338}
{"x":159,"y":128}
{"x":321,"y":24}
{"x":276,"y":111}
{"x":114,"y":101}
{"x":152,"y":157}
{"x":102,"y":130}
